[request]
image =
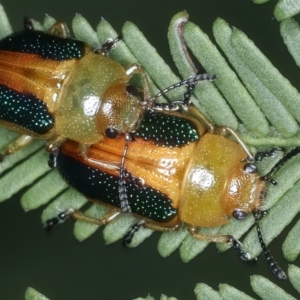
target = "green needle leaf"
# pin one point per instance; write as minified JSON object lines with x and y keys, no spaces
{"x":268,"y":290}
{"x":290,"y":32}
{"x":227,"y":81}
{"x":203,"y":291}
{"x":286,"y":8}
{"x":207,"y":94}
{"x":16,"y":176}
{"x":83,"y":230}
{"x":228,"y":292}
{"x":266,"y":72}
{"x":32,"y":294}
{"x":42,"y":192}
{"x":294,"y":275}
{"x":276,"y":113}
{"x":291,"y":245}
{"x":151,"y":61}
{"x":84,"y":31}
{"x":5,"y":28}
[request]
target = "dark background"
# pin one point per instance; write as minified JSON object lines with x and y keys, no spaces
{"x":59,"y":266}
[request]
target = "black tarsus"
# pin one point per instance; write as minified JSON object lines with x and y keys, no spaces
{"x":27,"y":23}
{"x":108,"y":45}
{"x":51,"y":223}
{"x":236,"y":244}
{"x":129,"y":235}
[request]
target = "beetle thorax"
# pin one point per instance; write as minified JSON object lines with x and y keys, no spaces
{"x":81,"y":98}
{"x":215,"y":183}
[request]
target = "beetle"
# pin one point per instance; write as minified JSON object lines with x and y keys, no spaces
{"x":54,"y":87}
{"x":177,"y":172}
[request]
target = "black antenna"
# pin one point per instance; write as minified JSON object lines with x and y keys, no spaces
{"x":279,"y":273}
{"x":192,"y":81}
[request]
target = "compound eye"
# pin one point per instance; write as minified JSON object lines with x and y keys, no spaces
{"x":239,"y":215}
{"x":133,"y":91}
{"x":111,"y":133}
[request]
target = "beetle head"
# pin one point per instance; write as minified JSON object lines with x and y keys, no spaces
{"x":121,"y":110}
{"x":244,"y":191}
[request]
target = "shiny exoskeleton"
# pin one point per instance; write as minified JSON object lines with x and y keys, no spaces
{"x":54,"y":87}
{"x":176,"y":172}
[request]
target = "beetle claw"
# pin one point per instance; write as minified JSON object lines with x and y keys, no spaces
{"x":237,"y":245}
{"x":129,"y":235}
{"x":51,"y":223}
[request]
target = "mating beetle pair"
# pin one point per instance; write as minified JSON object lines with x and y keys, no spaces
{"x":173,"y":171}
{"x":56,"y":88}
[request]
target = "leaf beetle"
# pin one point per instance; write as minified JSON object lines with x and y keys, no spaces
{"x":54,"y":87}
{"x":176,"y":172}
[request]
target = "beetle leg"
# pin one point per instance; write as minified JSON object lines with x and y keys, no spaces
{"x":221,"y":238}
{"x":107,"y":46}
{"x":60,"y":29}
{"x":51,"y":223}
{"x":157,"y":227}
{"x":136,"y":69}
{"x":17,"y":145}
{"x":54,"y":143}
{"x":129,"y":235}
{"x":80,"y":216}
{"x":151,"y":225}
{"x":108,"y":217}
{"x":28,"y":24}
{"x":83,"y":150}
